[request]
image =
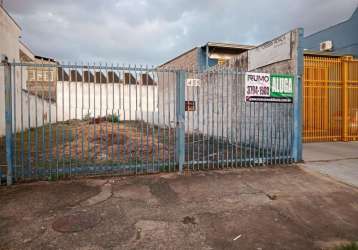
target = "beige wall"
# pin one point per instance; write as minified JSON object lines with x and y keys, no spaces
{"x":187,"y":60}
{"x":40,"y":79}
{"x":24,"y":104}
{"x":220,"y":107}
{"x":9,"y":46}
{"x":9,"y":33}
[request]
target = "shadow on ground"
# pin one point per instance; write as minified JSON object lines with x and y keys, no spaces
{"x":267,"y":208}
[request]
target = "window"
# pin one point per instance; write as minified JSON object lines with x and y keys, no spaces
{"x":39,"y":75}
{"x":31,"y":75}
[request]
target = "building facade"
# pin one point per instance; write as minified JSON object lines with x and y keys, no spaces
{"x":41,"y":80}
{"x":26,"y":105}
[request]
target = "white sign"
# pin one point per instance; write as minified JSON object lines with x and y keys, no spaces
{"x":276,"y":50}
{"x":193,"y":82}
{"x":257,"y":85}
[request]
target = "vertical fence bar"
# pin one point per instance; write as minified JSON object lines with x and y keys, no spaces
{"x":120,"y":83}
{"x":297,"y":100}
{"x":22,"y":124}
{"x":43,"y":88}
{"x":95,"y":91}
{"x":212,"y":136}
{"x":124,"y":73}
{"x":82,"y":117}
{"x":56,"y":75}
{"x":8,"y":121}
{"x":192,"y":147}
{"x":76,"y":116}
{"x":112,"y":113}
{"x":147,"y":116}
{"x":169,"y":121}
{"x":100,"y":111}
{"x":166,"y":83}
{"x":63,"y":117}
{"x":136,"y":117}
{"x":180,"y":116}
{"x":69,"y":120}
{"x":203,"y":77}
{"x":217,"y":97}
{"x":238,"y":93}
{"x":345,"y":107}
{"x":141,"y":118}
{"x":153,"y":113}
{"x":227,"y":116}
{"x":206,"y":123}
{"x":160,"y":104}
{"x":106,"y":119}
{"x":14,"y":139}
{"x":50,"y":119}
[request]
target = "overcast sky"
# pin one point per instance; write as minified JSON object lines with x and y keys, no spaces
{"x":153,"y":31}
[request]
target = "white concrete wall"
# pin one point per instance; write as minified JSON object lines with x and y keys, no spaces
{"x":78,"y":100}
{"x":2,"y":101}
{"x":35,"y":111}
{"x":28,"y":110}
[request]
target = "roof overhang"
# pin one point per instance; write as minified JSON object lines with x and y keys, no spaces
{"x":229,"y":46}
{"x":26,"y":52}
{"x":322,"y":53}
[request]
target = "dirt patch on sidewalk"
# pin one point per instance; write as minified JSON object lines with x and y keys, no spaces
{"x":206,"y":210}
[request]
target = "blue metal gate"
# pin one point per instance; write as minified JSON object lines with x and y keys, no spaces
{"x":67,"y":120}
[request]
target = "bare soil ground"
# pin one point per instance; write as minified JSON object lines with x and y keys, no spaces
{"x":108,"y":142}
{"x":263,"y":208}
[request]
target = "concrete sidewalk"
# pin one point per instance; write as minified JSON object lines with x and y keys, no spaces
{"x":259,"y":208}
{"x":338,"y":160}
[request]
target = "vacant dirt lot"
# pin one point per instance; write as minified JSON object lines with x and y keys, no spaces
{"x":267,"y":208}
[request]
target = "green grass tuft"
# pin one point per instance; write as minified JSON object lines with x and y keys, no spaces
{"x":349,"y":246}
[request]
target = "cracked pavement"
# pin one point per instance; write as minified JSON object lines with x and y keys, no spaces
{"x":271,"y":208}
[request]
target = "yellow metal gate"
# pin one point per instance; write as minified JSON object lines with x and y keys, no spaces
{"x":330,"y":98}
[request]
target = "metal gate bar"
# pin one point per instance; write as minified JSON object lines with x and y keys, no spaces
{"x":215,"y":138}
{"x":65,"y":120}
{"x":330,"y":99}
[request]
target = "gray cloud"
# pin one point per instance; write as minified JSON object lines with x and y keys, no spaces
{"x":152,"y":31}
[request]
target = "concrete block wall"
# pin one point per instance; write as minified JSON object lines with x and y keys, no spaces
{"x":280,"y":128}
{"x":188,"y":60}
{"x":128,"y":101}
{"x":166,"y":76}
{"x":221,"y":110}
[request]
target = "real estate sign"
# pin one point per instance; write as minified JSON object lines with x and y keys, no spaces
{"x":264,"y":87}
{"x":257,"y":85}
{"x":281,"y":86}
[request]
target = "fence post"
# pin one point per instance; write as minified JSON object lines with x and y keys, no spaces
{"x":298,"y":100}
{"x":180,"y":119}
{"x":8,"y":121}
{"x":345,"y":108}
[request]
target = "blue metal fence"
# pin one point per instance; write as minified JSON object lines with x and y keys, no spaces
{"x":64,"y":120}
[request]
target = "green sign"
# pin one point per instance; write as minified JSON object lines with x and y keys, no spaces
{"x":281,"y":86}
